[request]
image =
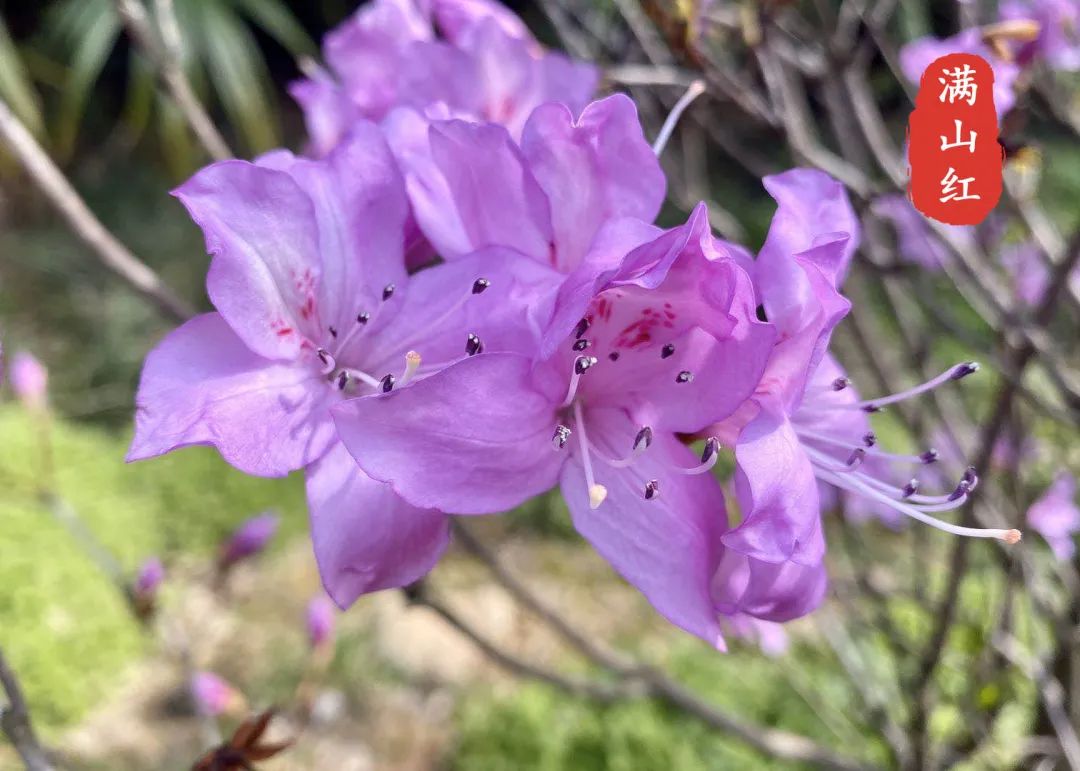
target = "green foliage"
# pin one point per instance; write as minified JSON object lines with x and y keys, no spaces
{"x":64,"y":624}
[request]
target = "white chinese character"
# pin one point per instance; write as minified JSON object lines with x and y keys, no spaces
{"x":948,"y":187}
{"x":969,"y":143}
{"x":960,"y":85}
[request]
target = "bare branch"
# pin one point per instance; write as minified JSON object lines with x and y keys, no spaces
{"x":16,"y":724}
{"x":115,"y":256}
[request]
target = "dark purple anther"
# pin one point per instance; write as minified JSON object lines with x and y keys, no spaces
{"x":872,"y":408}
{"x":652,"y":489}
{"x":387,"y":383}
{"x":473,"y":345}
{"x":333,"y":332}
{"x":582,"y":364}
{"x":388,"y":291}
{"x":643,"y":439}
{"x":869,"y":439}
{"x":480,"y":285}
{"x":363,"y":318}
{"x":581,"y":345}
{"x":712,"y":446}
{"x":581,"y":328}
{"x":930,"y":456}
{"x":562,"y":434}
{"x":685,"y":376}
{"x":324,"y":357}
{"x":910,"y":488}
{"x":840,"y":384}
{"x":857,"y":456}
{"x":965,"y":369}
{"x":960,"y":491}
{"x":614,"y":355}
{"x":342,"y":380}
{"x":667,"y":350}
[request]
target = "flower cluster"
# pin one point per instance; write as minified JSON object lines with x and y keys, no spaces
{"x":563,"y":339}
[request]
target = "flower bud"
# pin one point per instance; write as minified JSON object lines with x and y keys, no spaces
{"x":29,"y":380}
{"x":249,"y":539}
{"x":213,"y":695}
{"x":320,"y":622}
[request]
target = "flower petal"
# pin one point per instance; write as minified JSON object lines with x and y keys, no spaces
{"x":366,"y":538}
{"x":667,"y":547}
{"x":201,"y":385}
{"x":770,"y":591}
{"x":474,"y":438}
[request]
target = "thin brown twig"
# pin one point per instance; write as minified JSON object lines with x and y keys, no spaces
{"x":16,"y":723}
{"x":113,"y":254}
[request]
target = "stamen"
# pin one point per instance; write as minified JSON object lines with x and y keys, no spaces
{"x":667,"y":350}
{"x":686,"y":376}
{"x":562,"y":435}
{"x":363,"y":318}
{"x":328,"y":361}
{"x":965,"y":369}
{"x":930,"y":456}
{"x":910,"y":488}
{"x":581,"y":345}
{"x":473,"y":345}
{"x":614,"y":355}
{"x":388,"y":292}
{"x":869,"y":439}
{"x":418,"y":336}
{"x":363,"y":377}
{"x":412,"y":363}
{"x":840,"y":384}
{"x":597,"y":492}
{"x":856,"y":458}
{"x":480,"y":285}
{"x":643,"y":439}
{"x":853,"y":483}
{"x":955,"y":372}
{"x":387,"y":383}
{"x":709,"y":456}
{"x":581,"y":366}
{"x":342,"y":380}
{"x":581,"y":328}
{"x":333,"y":332}
{"x":652,"y":489}
{"x":697,"y":88}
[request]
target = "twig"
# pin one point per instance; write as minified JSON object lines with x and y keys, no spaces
{"x":82,"y":221}
{"x":164,"y":53}
{"x":16,"y":724}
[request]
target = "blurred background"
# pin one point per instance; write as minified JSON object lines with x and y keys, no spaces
{"x":394,"y":686}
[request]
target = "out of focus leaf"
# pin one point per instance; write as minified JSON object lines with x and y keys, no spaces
{"x":91,"y":51}
{"x":15,"y":85}
{"x":275,"y":19}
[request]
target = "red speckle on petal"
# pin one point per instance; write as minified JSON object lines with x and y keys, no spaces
{"x":284,"y":331}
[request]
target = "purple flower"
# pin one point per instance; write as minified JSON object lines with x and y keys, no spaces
{"x":320,"y":621}
{"x":249,"y":539}
{"x":1056,"y":517}
{"x":919,"y":54}
{"x":148,"y":579}
{"x":213,"y":695}
{"x":644,"y":344}
{"x":805,"y":423}
{"x":314,"y":306}
{"x":29,"y":380}
{"x":1058,"y":43}
{"x":548,"y":197}
{"x":915,"y":241}
{"x":474,"y":58}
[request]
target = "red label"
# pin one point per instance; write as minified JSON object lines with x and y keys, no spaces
{"x":953,"y":148}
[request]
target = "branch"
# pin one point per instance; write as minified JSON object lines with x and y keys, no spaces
{"x":164,"y":53}
{"x":82,"y":221}
{"x":16,"y":725}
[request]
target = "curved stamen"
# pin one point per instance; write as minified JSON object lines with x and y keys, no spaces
{"x":956,"y":372}
{"x":697,"y":88}
{"x":709,"y":456}
{"x":363,"y":377}
{"x":329,"y":363}
{"x":641,"y":443}
{"x":869,"y":440}
{"x":582,"y":364}
{"x":854,"y":484}
{"x":597,"y":492}
{"x":418,"y":336}
{"x":561,"y":436}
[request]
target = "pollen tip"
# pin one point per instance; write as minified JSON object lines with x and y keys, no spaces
{"x":869,"y":439}
{"x":473,"y":345}
{"x":1012,"y":536}
{"x":652,"y":489}
{"x":930,"y":456}
{"x":412,"y":357}
{"x":643,"y":439}
{"x":363,"y":318}
{"x":387,"y":383}
{"x":840,"y":384}
{"x":388,"y":291}
{"x":686,"y":376}
{"x":712,"y":447}
{"x":965,"y":369}
{"x":581,"y":328}
{"x":667,"y":350}
{"x":910,"y":488}
{"x":480,"y":285}
{"x":597,"y":494}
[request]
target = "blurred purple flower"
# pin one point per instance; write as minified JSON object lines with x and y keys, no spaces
{"x":916,"y":242}
{"x":148,"y":579}
{"x":320,"y":621}
{"x":249,"y":539}
{"x":1056,"y":517}
{"x":213,"y":695}
{"x":919,"y":54}
{"x":29,"y":380}
{"x":1058,"y":43}
{"x":474,"y":58}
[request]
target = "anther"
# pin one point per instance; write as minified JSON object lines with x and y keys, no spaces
{"x":963,"y":370}
{"x":581,"y":328}
{"x":869,"y":439}
{"x":840,"y":384}
{"x":473,"y":345}
{"x":667,"y":350}
{"x":363,"y":318}
{"x":387,"y":383}
{"x":856,"y":458}
{"x":583,"y":363}
{"x":643,"y":439}
{"x":328,"y":362}
{"x":685,"y":376}
{"x":581,"y":345}
{"x":342,"y":380}
{"x":388,"y":291}
{"x":652,"y":489}
{"x":930,"y":456}
{"x":614,"y":355}
{"x":562,"y":435}
{"x":910,"y":488}
{"x":333,"y":332}
{"x":960,"y":491}
{"x":597,"y":494}
{"x":712,"y":446}
{"x":480,"y":285}
{"x":872,"y":408}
